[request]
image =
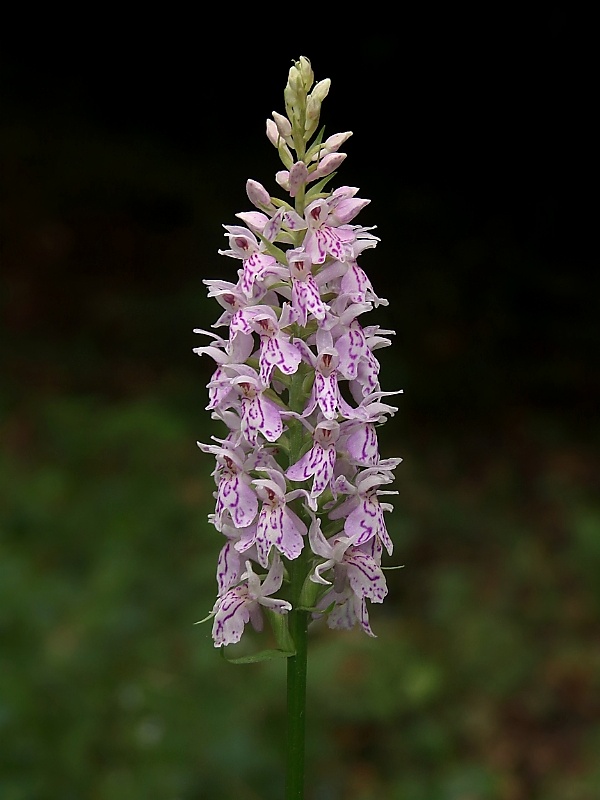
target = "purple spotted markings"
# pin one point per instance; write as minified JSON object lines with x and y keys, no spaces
{"x":296,"y":390}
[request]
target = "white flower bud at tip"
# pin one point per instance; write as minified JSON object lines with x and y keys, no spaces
{"x":284,"y":126}
{"x":283,"y":179}
{"x":306,"y":72}
{"x":321,"y":90}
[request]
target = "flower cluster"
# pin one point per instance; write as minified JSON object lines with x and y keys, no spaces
{"x":298,"y":474}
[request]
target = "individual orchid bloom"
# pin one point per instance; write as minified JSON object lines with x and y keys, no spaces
{"x":367,"y":377}
{"x":351,"y":565}
{"x":277,"y":227}
{"x":358,"y":435}
{"x":371,"y":409}
{"x":362,"y":511}
{"x":319,"y":461}
{"x":278,"y":525}
{"x":368,"y":367}
{"x":344,"y":206}
{"x":276,"y":349}
{"x":357,"y":362}
{"x":306,"y":298}
{"x":348,"y":610}
{"x":323,"y":239}
{"x":229,"y":297}
{"x":283,"y":225}
{"x":359,"y":440}
{"x":256,"y":263}
{"x":325,"y":392}
{"x":358,"y":287}
{"x":259,"y":414}
{"x":234,"y":492}
{"x":234,"y":301}
{"x":241,"y":604}
{"x":234,"y":351}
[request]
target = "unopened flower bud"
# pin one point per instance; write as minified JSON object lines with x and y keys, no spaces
{"x":333,"y":143}
{"x":313,"y":105}
{"x":258,"y":195}
{"x":293,"y":88}
{"x":298,"y":177}
{"x":306,"y":72}
{"x":283,"y":125}
{"x":321,"y":90}
{"x":327,"y":165}
{"x":275,"y":138}
{"x":272,"y":133}
{"x":283,"y":179}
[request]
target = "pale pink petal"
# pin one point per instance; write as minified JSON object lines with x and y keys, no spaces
{"x":290,"y":541}
{"x":316,"y":246}
{"x":229,"y":567}
{"x":272,"y":583}
{"x":365,"y":576}
{"x":235,"y":495}
{"x":253,"y":269}
{"x":231,"y":614}
{"x":318,"y":543}
{"x":351,"y":348}
{"x":220,"y":391}
{"x":326,"y":391}
{"x":356,"y":283}
{"x":348,"y":209}
{"x":272,"y":425}
{"x":362,"y":615}
{"x":303,"y":468}
{"x":277,"y":352}
{"x":333,"y":243}
{"x":362,"y":445}
{"x":364,"y":522}
{"x":323,"y":469}
{"x":252,"y":418}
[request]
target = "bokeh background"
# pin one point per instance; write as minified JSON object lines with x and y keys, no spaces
{"x":124,"y":148}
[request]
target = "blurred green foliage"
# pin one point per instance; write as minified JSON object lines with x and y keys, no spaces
{"x":484,"y":681}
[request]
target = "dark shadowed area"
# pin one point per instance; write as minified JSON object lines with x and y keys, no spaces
{"x":122,"y":154}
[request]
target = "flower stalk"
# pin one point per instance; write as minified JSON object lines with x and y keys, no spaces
{"x":296,"y":391}
{"x":296,"y":692}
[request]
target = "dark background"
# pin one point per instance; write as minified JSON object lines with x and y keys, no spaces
{"x":125,"y":147}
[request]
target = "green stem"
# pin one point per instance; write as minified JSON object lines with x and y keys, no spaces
{"x":296,"y":697}
{"x":298,"y":622}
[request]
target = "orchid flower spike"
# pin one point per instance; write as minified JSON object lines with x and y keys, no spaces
{"x":297,"y":387}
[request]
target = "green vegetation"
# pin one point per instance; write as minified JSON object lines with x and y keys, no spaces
{"x":484,"y":681}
